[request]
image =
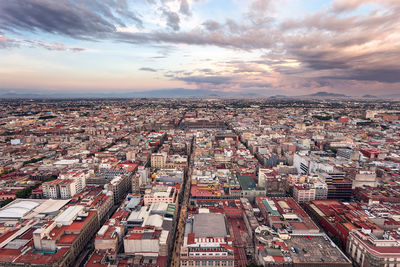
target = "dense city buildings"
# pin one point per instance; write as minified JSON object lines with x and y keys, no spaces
{"x":199,"y":182}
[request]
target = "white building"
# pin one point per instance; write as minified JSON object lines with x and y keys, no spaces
{"x":67,"y":188}
{"x":310,"y":164}
{"x":166,"y":194}
{"x":146,"y":241}
{"x":79,"y":176}
{"x":59,"y":189}
{"x":262,"y":175}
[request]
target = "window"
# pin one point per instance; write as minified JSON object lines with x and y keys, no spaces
{"x":203,"y":263}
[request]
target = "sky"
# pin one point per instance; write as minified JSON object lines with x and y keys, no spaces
{"x":285,"y":47}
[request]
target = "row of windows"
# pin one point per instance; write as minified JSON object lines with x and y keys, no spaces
{"x":357,"y":255}
{"x":208,"y":263}
{"x":208,"y":254}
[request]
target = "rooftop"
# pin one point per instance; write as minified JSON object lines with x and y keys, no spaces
{"x":315,"y":249}
{"x":209,"y":225}
{"x":18,"y":208}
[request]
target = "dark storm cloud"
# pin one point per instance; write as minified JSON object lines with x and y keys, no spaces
{"x":89,"y":19}
{"x":98,"y":20}
{"x":322,"y":60}
{"x":379,"y":75}
{"x":246,"y":41}
{"x":333,"y":43}
{"x":360,"y":48}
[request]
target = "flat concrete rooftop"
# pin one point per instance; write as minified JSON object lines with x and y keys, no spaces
{"x":314,"y":253}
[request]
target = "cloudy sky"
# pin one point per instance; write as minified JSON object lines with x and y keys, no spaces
{"x":288,"y":47}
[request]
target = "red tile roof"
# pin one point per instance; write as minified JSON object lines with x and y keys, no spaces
{"x":67,"y":239}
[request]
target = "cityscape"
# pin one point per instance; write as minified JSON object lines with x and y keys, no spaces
{"x":200,"y":182}
{"x":199,"y":133}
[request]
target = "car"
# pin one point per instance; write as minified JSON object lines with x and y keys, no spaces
{"x":319,"y":245}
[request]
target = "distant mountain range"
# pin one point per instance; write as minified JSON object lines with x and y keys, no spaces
{"x":162,"y":93}
{"x":315,"y":95}
{"x":278,"y":96}
{"x":369,"y":96}
{"x":392,"y":96}
{"x":335,"y":95}
{"x":326,"y":94}
{"x":167,"y":93}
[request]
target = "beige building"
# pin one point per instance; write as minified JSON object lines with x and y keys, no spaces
{"x":146,"y":241}
{"x":67,"y":188}
{"x":263,"y":174}
{"x":136,"y":182}
{"x":364,"y":178}
{"x":366,"y":249}
{"x":59,"y":189}
{"x":158,"y":160}
{"x":106,"y":239}
{"x":303,"y":192}
{"x":130,"y":155}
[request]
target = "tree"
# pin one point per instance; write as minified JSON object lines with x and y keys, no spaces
{"x":27,"y":191}
{"x":5,"y":202}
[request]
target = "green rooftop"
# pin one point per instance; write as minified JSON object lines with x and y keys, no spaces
{"x":273,"y":212}
{"x":171,"y":209}
{"x":246,"y":182}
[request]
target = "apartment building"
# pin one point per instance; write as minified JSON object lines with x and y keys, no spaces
{"x":165,"y":194}
{"x":304,"y":192}
{"x":158,"y":160}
